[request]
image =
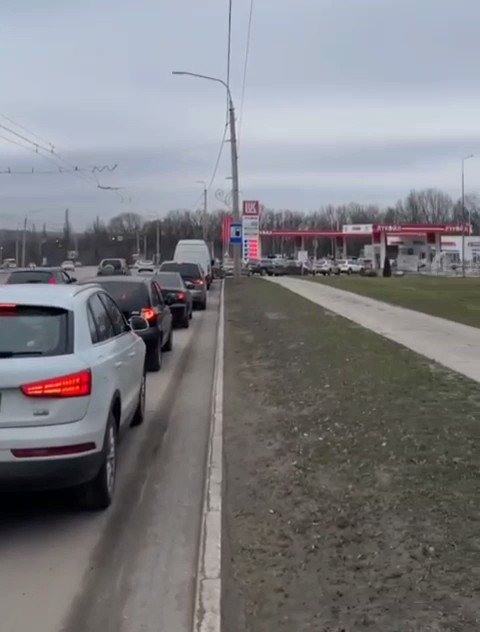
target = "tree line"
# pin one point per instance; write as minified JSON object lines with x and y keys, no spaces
{"x":130,"y":234}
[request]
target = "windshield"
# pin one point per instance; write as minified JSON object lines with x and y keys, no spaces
{"x":187,"y":270}
{"x":170,"y":280}
{"x":130,"y":297}
{"x":29,"y":276}
{"x":26,"y":330}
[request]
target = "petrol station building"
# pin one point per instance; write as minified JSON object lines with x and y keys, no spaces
{"x":414,"y":242}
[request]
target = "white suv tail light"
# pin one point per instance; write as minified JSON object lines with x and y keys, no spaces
{"x":74,"y":385}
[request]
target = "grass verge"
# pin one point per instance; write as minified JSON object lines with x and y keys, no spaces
{"x":352,"y":477}
{"x":452,"y":298}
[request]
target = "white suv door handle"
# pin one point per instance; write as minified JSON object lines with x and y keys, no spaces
{"x":118,"y":364}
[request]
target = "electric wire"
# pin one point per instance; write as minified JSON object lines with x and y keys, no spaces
{"x":245,"y":70}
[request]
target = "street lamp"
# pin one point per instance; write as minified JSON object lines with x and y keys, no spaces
{"x":237,"y":265}
{"x":463,"y":212}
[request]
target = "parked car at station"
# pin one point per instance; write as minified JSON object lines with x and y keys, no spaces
{"x":349,"y":266}
{"x":266,"y":267}
{"x":177,"y":296}
{"x":142,"y":296}
{"x":193,"y":277}
{"x":113,"y":267}
{"x":323,"y":266}
{"x":51,"y":276}
{"x":72,"y":379}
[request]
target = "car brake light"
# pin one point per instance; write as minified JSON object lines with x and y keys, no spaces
{"x":52,"y":281}
{"x":7,"y":307}
{"x":74,"y":385}
{"x":198,"y":281}
{"x":149,"y":313}
{"x":181,"y":296}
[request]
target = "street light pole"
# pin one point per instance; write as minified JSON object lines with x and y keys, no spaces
{"x":205,"y":204}
{"x":463,"y":213}
{"x":157,"y":244}
{"x":237,"y":254}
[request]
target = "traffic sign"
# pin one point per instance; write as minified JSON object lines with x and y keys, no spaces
{"x":235,"y":233}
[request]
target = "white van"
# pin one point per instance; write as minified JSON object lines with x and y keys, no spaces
{"x":195,"y":251}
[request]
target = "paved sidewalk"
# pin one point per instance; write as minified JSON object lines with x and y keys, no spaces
{"x":454,"y":345}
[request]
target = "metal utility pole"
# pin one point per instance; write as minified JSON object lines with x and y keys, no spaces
{"x":205,"y":204}
{"x":157,"y":245}
{"x":17,"y":245}
{"x":237,"y":249}
{"x":144,"y":246}
{"x":463,"y":213}
{"x":138,"y":243}
{"x":24,"y":242}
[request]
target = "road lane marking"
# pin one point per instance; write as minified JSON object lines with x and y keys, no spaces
{"x":207,"y":613}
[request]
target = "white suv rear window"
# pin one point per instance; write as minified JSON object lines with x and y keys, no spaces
{"x":33,"y":331}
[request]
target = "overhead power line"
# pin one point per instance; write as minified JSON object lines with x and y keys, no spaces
{"x":59,"y":170}
{"x":36,"y":145}
{"x":7,"y":118}
{"x":217,"y":163}
{"x":49,"y":153}
{"x":245,"y":70}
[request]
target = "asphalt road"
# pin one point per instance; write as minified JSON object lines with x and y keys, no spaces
{"x":133,"y":567}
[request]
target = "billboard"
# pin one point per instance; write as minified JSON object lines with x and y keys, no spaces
{"x":251,"y":230}
{"x":359,"y":229}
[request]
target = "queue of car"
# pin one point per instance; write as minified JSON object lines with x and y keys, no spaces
{"x":73,"y":364}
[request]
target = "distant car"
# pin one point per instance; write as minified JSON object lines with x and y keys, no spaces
{"x":350,"y":266}
{"x":228,"y":268}
{"x":113,"y":267}
{"x":68,"y":266}
{"x":193,"y":277}
{"x":72,"y":379}
{"x":142,"y":296}
{"x":323,"y":267}
{"x":9,"y":264}
{"x":144,"y":263}
{"x":263,"y":267}
{"x":176,"y":296}
{"x":51,"y":276}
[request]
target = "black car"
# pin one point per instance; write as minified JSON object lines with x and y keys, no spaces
{"x":52,"y":276}
{"x":113,"y":267}
{"x":142,"y":296}
{"x":176,"y":296}
{"x":193,"y":278}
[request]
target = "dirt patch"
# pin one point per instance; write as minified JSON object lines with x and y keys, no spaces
{"x":352,"y":477}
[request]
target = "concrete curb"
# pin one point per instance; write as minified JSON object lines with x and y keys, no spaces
{"x":207,"y":614}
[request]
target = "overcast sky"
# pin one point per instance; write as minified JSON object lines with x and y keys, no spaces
{"x":345,"y":100}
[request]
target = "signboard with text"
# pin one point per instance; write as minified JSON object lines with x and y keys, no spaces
{"x":251,"y":208}
{"x":251,"y":230}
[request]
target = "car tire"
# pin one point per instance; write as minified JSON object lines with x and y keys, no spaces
{"x":185,"y":322}
{"x":139,"y":416}
{"x":154,"y":357}
{"x":168,"y":346}
{"x":191,"y":313}
{"x":97,"y":494}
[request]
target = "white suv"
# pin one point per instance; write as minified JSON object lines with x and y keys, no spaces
{"x":72,"y":378}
